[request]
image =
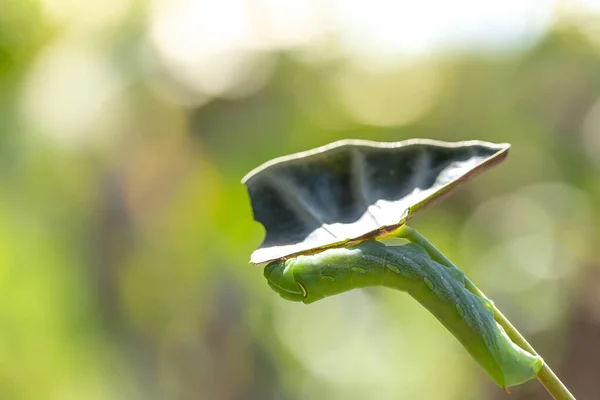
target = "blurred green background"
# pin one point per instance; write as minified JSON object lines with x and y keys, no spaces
{"x":125,"y":233}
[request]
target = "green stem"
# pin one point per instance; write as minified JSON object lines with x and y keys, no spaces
{"x":546,"y":376}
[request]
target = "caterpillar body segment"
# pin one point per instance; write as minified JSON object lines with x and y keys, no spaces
{"x":409,"y":268}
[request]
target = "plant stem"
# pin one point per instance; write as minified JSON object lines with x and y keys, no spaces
{"x":546,"y":376}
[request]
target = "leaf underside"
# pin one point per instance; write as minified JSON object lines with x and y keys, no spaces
{"x":353,"y":190}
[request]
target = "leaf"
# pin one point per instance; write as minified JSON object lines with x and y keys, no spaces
{"x":353,"y":190}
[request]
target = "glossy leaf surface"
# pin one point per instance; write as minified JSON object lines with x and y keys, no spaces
{"x":352,"y":190}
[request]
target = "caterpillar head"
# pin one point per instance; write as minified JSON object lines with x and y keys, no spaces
{"x":280,"y":275}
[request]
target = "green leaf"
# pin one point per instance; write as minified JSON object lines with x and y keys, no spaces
{"x":353,"y":190}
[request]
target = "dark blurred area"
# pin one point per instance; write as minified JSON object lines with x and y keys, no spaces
{"x":126,"y":233}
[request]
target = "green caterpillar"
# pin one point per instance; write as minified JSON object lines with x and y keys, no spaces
{"x":409,"y":268}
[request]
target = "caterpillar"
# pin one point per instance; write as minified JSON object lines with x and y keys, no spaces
{"x":410,"y":269}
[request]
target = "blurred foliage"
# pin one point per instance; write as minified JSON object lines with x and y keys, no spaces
{"x":125,"y":233}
